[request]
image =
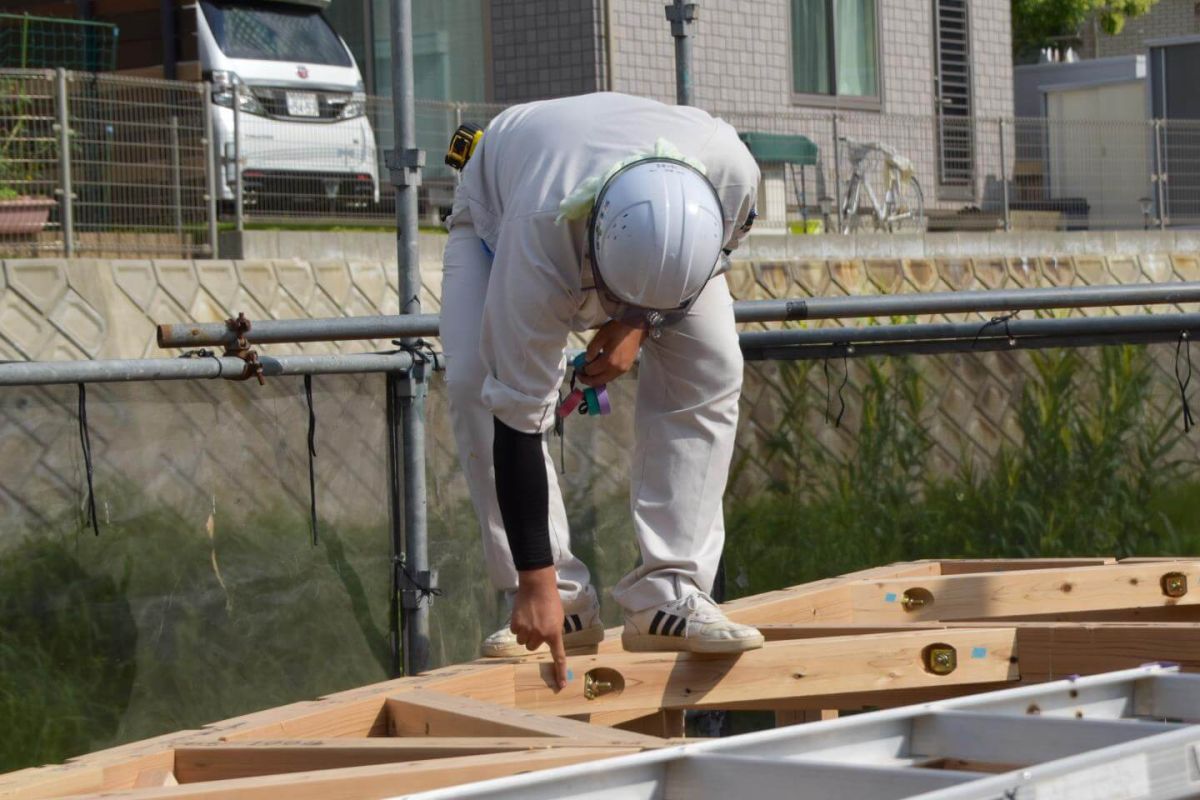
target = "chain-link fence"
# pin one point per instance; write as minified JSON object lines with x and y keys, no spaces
{"x":29,"y":42}
{"x":94,"y":164}
{"x":102,"y":165}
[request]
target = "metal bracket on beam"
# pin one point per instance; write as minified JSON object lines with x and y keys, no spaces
{"x":406,"y":167}
{"x":681,"y":15}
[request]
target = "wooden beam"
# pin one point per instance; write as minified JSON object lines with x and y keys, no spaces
{"x":105,"y":770}
{"x":867,"y":700}
{"x":667,"y":724}
{"x":249,"y":759}
{"x":988,"y":595}
{"x":1053,"y":650}
{"x":967,"y":566}
{"x":801,"y":716}
{"x":155,"y":777}
{"x":376,"y":781}
{"x":1189,"y":613}
{"x":362,"y":711}
{"x":427,"y":713}
{"x":762,"y":678}
{"x":827,"y":600}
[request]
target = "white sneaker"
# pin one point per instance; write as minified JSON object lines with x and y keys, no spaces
{"x":581,"y":628}
{"x":693,"y":624}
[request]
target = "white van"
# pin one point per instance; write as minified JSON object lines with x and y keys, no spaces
{"x":305,"y":136}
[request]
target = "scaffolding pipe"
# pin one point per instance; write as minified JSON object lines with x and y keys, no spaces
{"x":405,"y":169}
{"x":979,"y":301}
{"x":681,"y":15}
{"x":42,"y":373}
{"x":1173,"y":324}
{"x":819,"y":352}
{"x":809,"y":308}
{"x":290,"y":331}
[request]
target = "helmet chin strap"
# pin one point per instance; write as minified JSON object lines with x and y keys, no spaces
{"x":654,"y":323}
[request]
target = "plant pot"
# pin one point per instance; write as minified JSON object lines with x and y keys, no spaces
{"x":25,"y":214}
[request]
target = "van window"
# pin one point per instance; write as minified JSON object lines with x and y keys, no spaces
{"x":274,"y":32}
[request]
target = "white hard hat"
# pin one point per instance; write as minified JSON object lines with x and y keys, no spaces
{"x":655,"y":238}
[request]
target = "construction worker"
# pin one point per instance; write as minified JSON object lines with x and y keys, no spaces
{"x":613,"y":213}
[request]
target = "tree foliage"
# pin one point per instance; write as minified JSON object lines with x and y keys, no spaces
{"x":1040,"y":23}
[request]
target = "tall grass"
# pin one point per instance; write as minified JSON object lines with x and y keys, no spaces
{"x":1096,"y":471}
{"x":156,"y":626}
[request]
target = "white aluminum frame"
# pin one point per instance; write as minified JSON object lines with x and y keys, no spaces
{"x":1118,"y":736}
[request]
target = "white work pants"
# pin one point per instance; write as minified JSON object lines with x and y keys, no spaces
{"x":685,"y":421}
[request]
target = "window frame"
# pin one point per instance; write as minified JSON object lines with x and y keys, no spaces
{"x":954,"y":192}
{"x":837,"y":101}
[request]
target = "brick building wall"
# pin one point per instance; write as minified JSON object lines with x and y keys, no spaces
{"x":545,"y":48}
{"x":742,"y":69}
{"x":1167,"y":18}
{"x":742,"y":55}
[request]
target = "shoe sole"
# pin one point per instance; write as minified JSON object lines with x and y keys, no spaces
{"x":646,"y":643}
{"x":585,"y":638}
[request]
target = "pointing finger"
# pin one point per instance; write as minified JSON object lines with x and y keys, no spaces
{"x":560,"y":659}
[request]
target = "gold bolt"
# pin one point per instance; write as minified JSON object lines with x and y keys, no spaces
{"x":915,"y":599}
{"x":940,"y":659}
{"x":1174,"y":584}
{"x":593,"y":688}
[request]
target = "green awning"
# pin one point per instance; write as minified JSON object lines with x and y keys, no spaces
{"x":780,"y":148}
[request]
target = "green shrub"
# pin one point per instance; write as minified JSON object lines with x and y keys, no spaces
{"x":1095,"y":473}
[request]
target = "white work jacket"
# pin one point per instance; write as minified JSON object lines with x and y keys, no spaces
{"x":530,"y":158}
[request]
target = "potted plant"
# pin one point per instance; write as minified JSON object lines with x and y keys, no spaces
{"x":23,"y":213}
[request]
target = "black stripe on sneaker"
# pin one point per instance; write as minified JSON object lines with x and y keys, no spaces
{"x":567,"y":625}
{"x":680,"y":627}
{"x":578,"y":622}
{"x":657,"y":619}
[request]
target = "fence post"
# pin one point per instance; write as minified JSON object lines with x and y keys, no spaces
{"x":1160,"y":176}
{"x":176,"y":179}
{"x":210,"y":170}
{"x":1004,"y":174}
{"x":837,"y":171}
{"x":239,"y":211}
{"x":66,"y":185}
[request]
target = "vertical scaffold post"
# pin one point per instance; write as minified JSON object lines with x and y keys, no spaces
{"x":681,"y":16}
{"x":404,"y":165}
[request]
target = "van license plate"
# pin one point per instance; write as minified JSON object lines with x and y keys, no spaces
{"x":302,"y":104}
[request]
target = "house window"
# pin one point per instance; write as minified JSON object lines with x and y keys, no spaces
{"x":835,"y":48}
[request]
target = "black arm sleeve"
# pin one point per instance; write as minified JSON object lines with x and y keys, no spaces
{"x":524,"y":496}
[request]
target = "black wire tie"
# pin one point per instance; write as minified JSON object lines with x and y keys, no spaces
{"x":1189,"y":421}
{"x":85,"y":441}
{"x":312,"y":457}
{"x":1001,"y":320}
{"x":837,"y":423}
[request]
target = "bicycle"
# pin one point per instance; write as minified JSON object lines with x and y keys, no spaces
{"x":902,"y":207}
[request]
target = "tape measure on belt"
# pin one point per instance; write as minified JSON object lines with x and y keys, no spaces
{"x":591,"y":401}
{"x":462,"y":145}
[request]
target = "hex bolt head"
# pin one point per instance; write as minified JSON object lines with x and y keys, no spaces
{"x":940,"y":659}
{"x":1174,"y":584}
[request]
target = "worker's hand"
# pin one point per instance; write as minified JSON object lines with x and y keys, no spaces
{"x":537,"y":617}
{"x":611,"y":353}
